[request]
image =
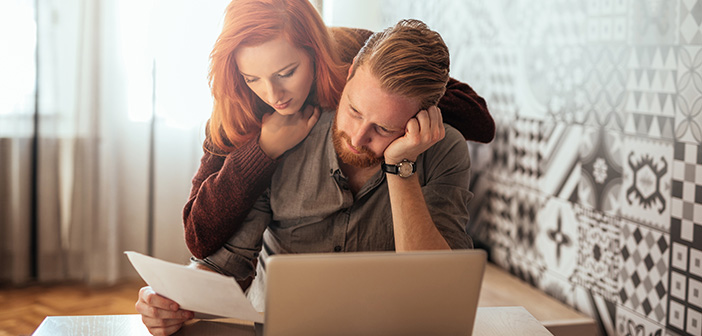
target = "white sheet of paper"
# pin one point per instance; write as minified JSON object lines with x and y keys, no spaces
{"x":200,"y":291}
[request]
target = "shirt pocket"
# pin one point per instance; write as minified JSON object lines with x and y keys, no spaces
{"x":375,"y":232}
{"x":304,"y":235}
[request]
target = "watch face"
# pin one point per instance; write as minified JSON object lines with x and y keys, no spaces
{"x":404,"y":169}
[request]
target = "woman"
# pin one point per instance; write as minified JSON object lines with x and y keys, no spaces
{"x":273,"y":69}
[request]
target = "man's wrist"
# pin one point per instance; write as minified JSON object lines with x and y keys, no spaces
{"x":394,"y":160}
{"x":404,"y":168}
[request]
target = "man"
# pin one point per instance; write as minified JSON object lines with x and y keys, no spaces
{"x":383,"y":173}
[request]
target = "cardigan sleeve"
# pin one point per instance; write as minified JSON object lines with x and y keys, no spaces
{"x":465,"y":110}
{"x":224,"y":190}
{"x":461,"y":107}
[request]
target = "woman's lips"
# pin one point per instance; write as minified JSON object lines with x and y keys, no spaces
{"x":283,"y":105}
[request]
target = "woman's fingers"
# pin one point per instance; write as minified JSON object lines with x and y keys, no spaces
{"x":307,"y":112}
{"x":313,"y":118}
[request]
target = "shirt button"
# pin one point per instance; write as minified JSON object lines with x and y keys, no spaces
{"x":337,"y":248}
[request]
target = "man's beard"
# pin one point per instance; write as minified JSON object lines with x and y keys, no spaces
{"x":365,"y":159}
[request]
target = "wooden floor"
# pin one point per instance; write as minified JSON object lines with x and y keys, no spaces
{"x":23,"y":309}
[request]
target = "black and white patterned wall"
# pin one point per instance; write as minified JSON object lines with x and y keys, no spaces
{"x":592,"y":189}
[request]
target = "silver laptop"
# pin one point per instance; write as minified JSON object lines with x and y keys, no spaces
{"x":370,"y":293}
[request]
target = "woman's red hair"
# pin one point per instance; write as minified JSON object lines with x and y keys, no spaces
{"x":236,"y":117}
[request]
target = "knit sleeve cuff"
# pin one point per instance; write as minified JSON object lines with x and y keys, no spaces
{"x":250,"y":160}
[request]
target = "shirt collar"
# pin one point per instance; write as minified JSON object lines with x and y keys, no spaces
{"x":332,"y":161}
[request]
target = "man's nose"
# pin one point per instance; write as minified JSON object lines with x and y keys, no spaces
{"x":361,"y":137}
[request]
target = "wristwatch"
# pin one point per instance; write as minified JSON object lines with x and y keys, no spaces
{"x":404,"y":168}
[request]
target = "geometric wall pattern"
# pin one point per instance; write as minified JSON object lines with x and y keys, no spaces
{"x":647,"y":182}
{"x":592,"y":190}
{"x":688,"y":119}
{"x":598,"y":260}
{"x":601,"y":157}
{"x":685,"y":277}
{"x":644,"y":275}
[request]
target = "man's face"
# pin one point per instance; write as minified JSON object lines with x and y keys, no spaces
{"x":368,"y":120}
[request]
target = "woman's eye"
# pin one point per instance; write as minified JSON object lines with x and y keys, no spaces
{"x":249,"y":80}
{"x":287,"y":74}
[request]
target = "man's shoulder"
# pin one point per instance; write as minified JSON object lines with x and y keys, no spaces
{"x":317,"y":138}
{"x":451,"y":138}
{"x":321,"y":128}
{"x":325,"y":121}
{"x":452,"y":134}
{"x":451,"y":150}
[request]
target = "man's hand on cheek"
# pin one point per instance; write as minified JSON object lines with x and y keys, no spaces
{"x":421,"y":132}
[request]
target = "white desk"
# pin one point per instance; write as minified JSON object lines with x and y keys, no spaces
{"x":489,"y":321}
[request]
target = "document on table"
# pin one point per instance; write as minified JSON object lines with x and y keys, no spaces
{"x":209,"y":293}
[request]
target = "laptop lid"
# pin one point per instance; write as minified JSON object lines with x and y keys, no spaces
{"x":373,"y":293}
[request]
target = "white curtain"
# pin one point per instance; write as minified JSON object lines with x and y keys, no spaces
{"x":121,"y":100}
{"x":17,"y":105}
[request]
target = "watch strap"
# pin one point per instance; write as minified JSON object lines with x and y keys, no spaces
{"x":389,"y":168}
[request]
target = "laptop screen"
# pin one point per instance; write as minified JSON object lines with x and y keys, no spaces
{"x":374,"y":293}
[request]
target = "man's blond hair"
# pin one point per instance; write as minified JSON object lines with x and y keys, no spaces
{"x":408,"y":59}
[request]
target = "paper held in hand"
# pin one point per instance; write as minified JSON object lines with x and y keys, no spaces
{"x":204,"y":292}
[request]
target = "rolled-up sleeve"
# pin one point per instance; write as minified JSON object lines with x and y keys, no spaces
{"x":446,"y":182}
{"x":238,"y":255}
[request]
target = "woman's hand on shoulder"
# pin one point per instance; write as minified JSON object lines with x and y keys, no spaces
{"x":280,"y":132}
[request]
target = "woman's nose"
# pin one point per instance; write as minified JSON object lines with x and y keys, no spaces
{"x":274,"y":93}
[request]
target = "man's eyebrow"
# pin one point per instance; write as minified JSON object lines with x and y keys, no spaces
{"x":281,"y":69}
{"x":388,"y":128}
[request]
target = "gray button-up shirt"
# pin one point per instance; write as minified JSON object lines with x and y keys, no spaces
{"x":310,"y":207}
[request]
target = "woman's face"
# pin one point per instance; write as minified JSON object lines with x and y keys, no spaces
{"x":280,"y":74}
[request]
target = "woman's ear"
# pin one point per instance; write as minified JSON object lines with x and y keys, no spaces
{"x":348,"y":76}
